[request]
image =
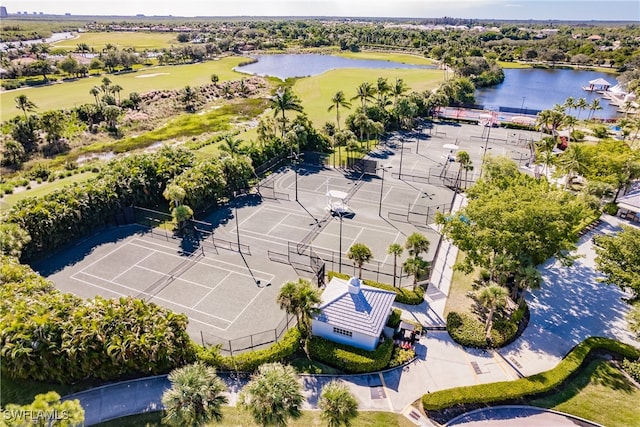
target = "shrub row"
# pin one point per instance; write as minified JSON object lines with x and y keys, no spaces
{"x":468,"y":331}
{"x":350,"y":359}
{"x":250,"y":361}
{"x":529,"y":386}
{"x":403,"y":295}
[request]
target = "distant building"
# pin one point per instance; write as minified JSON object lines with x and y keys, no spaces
{"x":353,"y":314}
{"x":3,"y":12}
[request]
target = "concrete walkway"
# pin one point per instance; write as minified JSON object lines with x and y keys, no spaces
{"x":570,"y":306}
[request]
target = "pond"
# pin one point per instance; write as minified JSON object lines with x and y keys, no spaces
{"x":540,"y":89}
{"x":301,"y":65}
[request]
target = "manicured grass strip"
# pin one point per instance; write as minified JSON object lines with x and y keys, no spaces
{"x":528,"y":386}
{"x":404,"y":58}
{"x":600,"y":393}
{"x":234,"y":417}
{"x":461,"y":285}
{"x":9,"y":200}
{"x":70,"y":94}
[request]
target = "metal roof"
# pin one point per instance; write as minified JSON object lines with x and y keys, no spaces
{"x":365,"y":312}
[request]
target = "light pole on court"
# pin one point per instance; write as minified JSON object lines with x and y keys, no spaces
{"x":383,"y":169}
{"x":235,"y":214}
{"x":401,"y":156}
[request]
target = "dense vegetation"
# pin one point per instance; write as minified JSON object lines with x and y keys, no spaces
{"x":48,"y":335}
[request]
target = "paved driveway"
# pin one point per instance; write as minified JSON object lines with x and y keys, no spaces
{"x":570,"y":306}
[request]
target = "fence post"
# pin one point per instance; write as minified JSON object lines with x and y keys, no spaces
{"x":202,"y":337}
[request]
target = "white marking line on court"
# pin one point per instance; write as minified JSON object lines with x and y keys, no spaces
{"x":134,"y":265}
{"x":277,"y":224}
{"x":212,"y":289}
{"x":203,"y":260}
{"x":152,"y":297}
{"x":103,"y":257}
{"x":165,"y":274}
{"x":248,"y":305}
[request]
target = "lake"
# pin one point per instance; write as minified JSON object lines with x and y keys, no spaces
{"x":311,"y":64}
{"x":540,"y":89}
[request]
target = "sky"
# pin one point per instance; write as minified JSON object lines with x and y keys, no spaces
{"x":616,"y":10}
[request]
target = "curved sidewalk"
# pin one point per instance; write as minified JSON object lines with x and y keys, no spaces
{"x":571,"y":306}
{"x":525,"y":416}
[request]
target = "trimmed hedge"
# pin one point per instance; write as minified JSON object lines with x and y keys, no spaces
{"x":350,"y":359}
{"x":250,"y":361}
{"x":403,"y":295}
{"x":468,"y":331}
{"x":529,"y":386}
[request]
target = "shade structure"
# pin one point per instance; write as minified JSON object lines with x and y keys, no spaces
{"x":485,"y":116}
{"x":599,"y":82}
{"x":450,"y":146}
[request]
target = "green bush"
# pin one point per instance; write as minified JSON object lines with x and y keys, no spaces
{"x":11,"y":84}
{"x":403,"y":295}
{"x":527,"y":387}
{"x":632,"y":368}
{"x":610,"y":208}
{"x":468,"y":331}
{"x":600,"y":131}
{"x":401,"y":356}
{"x":577,"y":135}
{"x":250,"y":361}
{"x":350,"y":359}
{"x":394,"y":318}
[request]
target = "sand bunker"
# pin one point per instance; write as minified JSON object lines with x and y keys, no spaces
{"x":144,"y":76}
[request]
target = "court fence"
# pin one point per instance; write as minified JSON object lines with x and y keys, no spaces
{"x":256,"y":341}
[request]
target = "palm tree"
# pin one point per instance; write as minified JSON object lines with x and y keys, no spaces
{"x":189,"y":98}
{"x":95,"y":91}
{"x":83,"y":48}
{"x":337,"y":404}
{"x":382,"y":88}
{"x":25,"y":104}
{"x":396,"y":250}
{"x":416,"y":244}
{"x":283,"y":101}
{"x":106,"y":82}
{"x":492,"y":297}
{"x":593,"y":107}
{"x":398,"y":89}
{"x":195,"y":397}
{"x":174,"y":194}
{"x":466,"y":165}
{"x":364,"y":92}
{"x":231,"y":145}
{"x":569,"y":104}
{"x":551,"y":119}
{"x":527,"y":277}
{"x":415,"y":266}
{"x":116,"y":89}
{"x":573,"y":161}
{"x":359,"y":253}
{"x":338,"y":101}
{"x":301,"y":300}
{"x":181,"y":214}
{"x":273,"y":395}
{"x":570,"y":122}
{"x":581,"y":104}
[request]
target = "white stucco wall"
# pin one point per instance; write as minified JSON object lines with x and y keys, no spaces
{"x":359,"y":340}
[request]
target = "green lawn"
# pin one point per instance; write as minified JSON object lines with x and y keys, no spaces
{"x":69,"y":94}
{"x":234,"y":417}
{"x":121,"y":39}
{"x":460,"y":284}
{"x":9,"y":200}
{"x":316,"y":91}
{"x":600,"y":393}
